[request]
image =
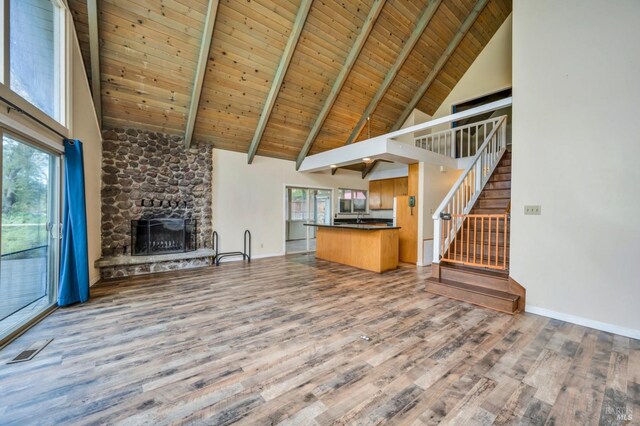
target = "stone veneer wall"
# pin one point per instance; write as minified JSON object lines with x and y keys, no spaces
{"x":140,"y":165}
{"x":108,"y":272}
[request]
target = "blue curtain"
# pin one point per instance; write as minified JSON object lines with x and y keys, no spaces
{"x":74,"y":259}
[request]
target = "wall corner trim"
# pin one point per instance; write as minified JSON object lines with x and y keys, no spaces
{"x":586,"y":322}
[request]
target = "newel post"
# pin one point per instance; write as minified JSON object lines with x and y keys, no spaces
{"x":437,"y":239}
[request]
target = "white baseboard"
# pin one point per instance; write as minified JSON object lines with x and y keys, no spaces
{"x":603,"y":326}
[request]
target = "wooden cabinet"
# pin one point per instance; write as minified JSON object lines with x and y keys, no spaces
{"x":386,"y":194}
{"x":381,"y":192}
{"x":375,"y":195}
{"x":400,"y":187}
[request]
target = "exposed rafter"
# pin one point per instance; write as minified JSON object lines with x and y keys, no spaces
{"x":298,"y":25}
{"x":94,"y":56}
{"x":369,"y":168}
{"x":201,"y":69}
{"x":407,"y":48}
{"x":358,"y":44}
{"x":455,"y":41}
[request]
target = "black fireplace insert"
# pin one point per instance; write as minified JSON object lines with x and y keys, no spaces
{"x":162,"y":236}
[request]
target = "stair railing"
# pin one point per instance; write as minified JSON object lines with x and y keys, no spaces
{"x":462,"y":141}
{"x":464,"y":193}
{"x":481,"y":241}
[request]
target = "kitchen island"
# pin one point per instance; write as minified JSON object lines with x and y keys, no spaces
{"x":370,"y":247}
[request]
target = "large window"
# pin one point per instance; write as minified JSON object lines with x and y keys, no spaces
{"x":352,"y":200}
{"x":34,"y":55}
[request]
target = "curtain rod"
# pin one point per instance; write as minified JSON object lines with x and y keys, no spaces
{"x":16,"y":108}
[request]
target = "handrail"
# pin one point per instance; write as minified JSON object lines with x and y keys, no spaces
{"x":464,"y":193}
{"x":472,"y":112}
{"x":451,"y":142}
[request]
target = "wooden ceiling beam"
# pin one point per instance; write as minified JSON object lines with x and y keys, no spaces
{"x":442,"y":61}
{"x":285,"y":60}
{"x":94,"y":56}
{"x":349,"y":62}
{"x":421,"y":25}
{"x":369,"y":168}
{"x":201,"y":69}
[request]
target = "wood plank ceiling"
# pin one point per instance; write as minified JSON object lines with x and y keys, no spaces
{"x":149,"y":56}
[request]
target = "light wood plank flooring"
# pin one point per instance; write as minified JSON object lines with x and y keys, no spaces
{"x":278,"y":341}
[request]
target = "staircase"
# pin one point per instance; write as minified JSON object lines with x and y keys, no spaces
{"x":471,"y":262}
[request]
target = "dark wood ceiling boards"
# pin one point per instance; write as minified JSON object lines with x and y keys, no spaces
{"x":149,"y":55}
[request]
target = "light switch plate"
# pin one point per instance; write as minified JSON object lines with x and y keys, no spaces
{"x":533,"y":210}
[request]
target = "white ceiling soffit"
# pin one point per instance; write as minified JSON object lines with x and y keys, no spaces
{"x":375,"y":148}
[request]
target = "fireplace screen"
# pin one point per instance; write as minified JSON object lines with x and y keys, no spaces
{"x":162,"y":236}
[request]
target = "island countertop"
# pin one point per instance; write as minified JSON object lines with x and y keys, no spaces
{"x":359,"y":226}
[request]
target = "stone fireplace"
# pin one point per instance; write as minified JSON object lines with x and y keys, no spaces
{"x":163,"y":236}
{"x":147,"y":178}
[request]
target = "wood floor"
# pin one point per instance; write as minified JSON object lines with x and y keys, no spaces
{"x":278,"y":341}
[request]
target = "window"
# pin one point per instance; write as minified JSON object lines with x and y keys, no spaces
{"x":28,"y":242}
{"x":352,"y":200}
{"x":35,"y":54}
{"x":298,"y":205}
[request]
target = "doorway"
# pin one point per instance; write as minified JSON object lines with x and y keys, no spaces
{"x":29,"y":232}
{"x":304,"y":206}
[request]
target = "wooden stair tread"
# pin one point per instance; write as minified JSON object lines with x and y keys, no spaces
{"x":482,"y":296}
{"x":479,"y":290}
{"x":476,"y":270}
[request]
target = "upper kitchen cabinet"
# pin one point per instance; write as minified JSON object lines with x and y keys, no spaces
{"x":400,"y":187}
{"x":381,"y":192}
{"x":386,"y":194}
{"x":375,"y":195}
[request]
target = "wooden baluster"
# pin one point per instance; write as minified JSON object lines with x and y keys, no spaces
{"x":443,"y":241}
{"x":489,"y":243}
{"x":451,"y":242}
{"x":481,"y":239}
{"x":455,"y":239}
{"x":468,"y":239}
{"x":505,"y":242}
{"x":497,"y":238}
{"x":475,"y":234}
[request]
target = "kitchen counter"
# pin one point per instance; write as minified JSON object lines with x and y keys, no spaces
{"x":370,"y":247}
{"x":361,"y":226}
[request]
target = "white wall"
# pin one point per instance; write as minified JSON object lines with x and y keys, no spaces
{"x":575,"y":151}
{"x":489,"y":73}
{"x":252,"y":196}
{"x":433,"y":186}
{"x":84,"y":126}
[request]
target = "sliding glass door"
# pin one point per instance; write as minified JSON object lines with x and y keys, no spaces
{"x":305,"y":205}
{"x":28,"y":235}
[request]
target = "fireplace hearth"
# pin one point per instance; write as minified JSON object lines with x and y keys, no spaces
{"x":163,"y":236}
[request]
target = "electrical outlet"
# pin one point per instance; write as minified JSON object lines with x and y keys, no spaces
{"x":533,"y":210}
